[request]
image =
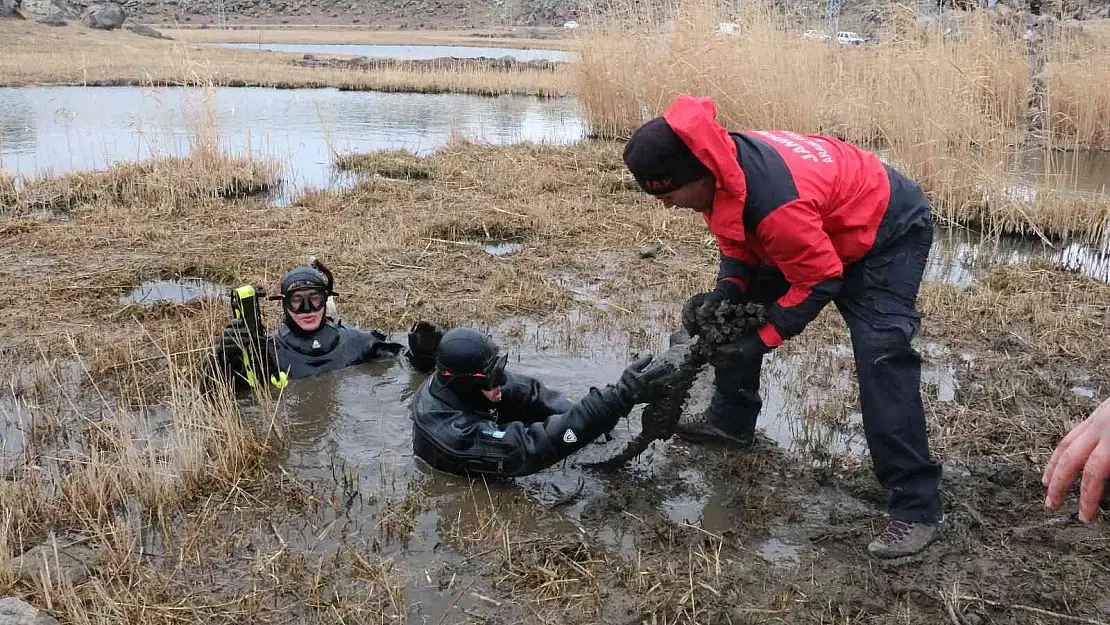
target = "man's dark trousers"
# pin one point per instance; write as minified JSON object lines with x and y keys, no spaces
{"x":878,"y":302}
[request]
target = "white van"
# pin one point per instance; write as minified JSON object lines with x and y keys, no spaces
{"x":849,"y":38}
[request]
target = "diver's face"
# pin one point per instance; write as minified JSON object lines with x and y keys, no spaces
{"x":306,"y":308}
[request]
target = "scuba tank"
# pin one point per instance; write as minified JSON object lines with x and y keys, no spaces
{"x":244,"y":305}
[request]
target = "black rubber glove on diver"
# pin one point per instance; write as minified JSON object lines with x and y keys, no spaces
{"x":424,"y":338}
{"x":704,"y":304}
{"x":637,"y":383}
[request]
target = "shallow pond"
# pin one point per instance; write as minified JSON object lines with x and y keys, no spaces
{"x":410,"y":53}
{"x":62,"y":129}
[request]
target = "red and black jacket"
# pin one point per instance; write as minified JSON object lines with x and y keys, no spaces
{"x":806,"y":205}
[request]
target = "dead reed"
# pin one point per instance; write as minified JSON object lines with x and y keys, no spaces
{"x":124,"y":451}
{"x":949,"y":111}
{"x":41,"y":55}
{"x":159,"y":184}
{"x":385,"y":163}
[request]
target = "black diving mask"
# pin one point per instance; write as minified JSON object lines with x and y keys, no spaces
{"x":490,"y":377}
{"x":303,"y":301}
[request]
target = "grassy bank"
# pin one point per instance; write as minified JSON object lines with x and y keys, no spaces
{"x":950,"y":111}
{"x":368,"y":35}
{"x":41,"y":55}
{"x":186,"y":497}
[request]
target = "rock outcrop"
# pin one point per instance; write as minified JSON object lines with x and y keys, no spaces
{"x":107,"y":16}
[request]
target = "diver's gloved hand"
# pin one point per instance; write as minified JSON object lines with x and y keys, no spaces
{"x":745,"y":348}
{"x":640,"y":381}
{"x":703,"y":305}
{"x":424,"y":338}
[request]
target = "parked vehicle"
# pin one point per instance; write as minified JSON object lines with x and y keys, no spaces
{"x":728,"y":29}
{"x":819,"y":35}
{"x":849,"y":38}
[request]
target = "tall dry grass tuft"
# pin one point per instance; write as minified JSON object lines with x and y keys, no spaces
{"x":1077,"y":85}
{"x":949,"y":111}
{"x":127,"y":453}
{"x":160,"y":183}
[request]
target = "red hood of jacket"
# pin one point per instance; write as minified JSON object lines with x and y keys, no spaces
{"x":694,"y":120}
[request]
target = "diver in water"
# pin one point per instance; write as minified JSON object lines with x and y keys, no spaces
{"x":475,"y":418}
{"x":309,"y":342}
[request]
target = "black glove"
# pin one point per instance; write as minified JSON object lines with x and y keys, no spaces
{"x":703,"y":305}
{"x":748,"y":346}
{"x":637,"y":381}
{"x":424,"y":337}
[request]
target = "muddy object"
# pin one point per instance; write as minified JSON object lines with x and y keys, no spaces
{"x":660,"y":418}
{"x":108,"y":16}
{"x":15,"y":611}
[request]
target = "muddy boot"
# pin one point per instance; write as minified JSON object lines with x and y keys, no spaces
{"x":704,"y":430}
{"x":902,"y":538}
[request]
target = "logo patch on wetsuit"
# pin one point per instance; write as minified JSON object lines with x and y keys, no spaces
{"x":495,"y":433}
{"x":570,"y":437}
{"x":315,"y":344}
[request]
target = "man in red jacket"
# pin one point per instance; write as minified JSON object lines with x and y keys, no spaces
{"x":801,"y":221}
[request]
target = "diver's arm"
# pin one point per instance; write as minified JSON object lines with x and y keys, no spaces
{"x":520,"y":448}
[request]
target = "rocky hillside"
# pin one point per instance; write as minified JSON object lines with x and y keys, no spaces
{"x":861,"y":15}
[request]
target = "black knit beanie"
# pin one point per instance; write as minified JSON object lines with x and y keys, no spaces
{"x":659,"y":160}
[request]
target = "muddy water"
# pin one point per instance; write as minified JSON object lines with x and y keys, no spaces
{"x":407,"y":52}
{"x":63,"y":129}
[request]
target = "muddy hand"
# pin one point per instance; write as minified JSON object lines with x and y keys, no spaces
{"x":690,"y":313}
{"x":747,"y":347}
{"x":1085,"y":449}
{"x":637,"y":380}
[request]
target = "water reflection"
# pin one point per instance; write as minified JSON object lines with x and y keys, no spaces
{"x":76,"y":128}
{"x":959,"y":255}
{"x":407,"y":52}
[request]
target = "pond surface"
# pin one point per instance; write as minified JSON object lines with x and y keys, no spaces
{"x":410,"y":53}
{"x":63,"y":129}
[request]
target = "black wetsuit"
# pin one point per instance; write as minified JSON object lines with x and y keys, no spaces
{"x":334,"y":346}
{"x":530,"y":429}
{"x":302,"y":354}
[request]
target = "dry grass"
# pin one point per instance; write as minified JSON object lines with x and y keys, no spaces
{"x":385,"y":163}
{"x":157,"y":185}
{"x":950,"y":112}
{"x":180,"y":506}
{"x":41,"y":55}
{"x":366,"y":36}
{"x":1032,"y":333}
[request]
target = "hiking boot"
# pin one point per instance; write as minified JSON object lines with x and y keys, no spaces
{"x":904,"y":538}
{"x":703,"y":431}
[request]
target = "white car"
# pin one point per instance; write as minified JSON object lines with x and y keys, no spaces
{"x":571,"y":25}
{"x":728,"y":29}
{"x":849,"y":38}
{"x":816,"y":34}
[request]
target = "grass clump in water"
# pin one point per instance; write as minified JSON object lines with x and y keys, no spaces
{"x":386,"y":163}
{"x":162,"y":182}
